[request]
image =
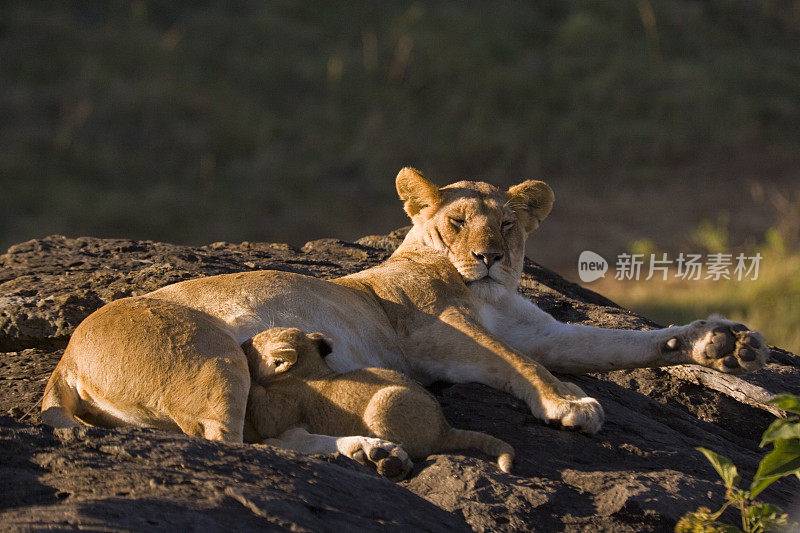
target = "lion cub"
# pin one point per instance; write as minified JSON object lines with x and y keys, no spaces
{"x":292,"y":385}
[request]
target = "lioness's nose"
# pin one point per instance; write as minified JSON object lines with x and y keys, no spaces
{"x":488,"y":258}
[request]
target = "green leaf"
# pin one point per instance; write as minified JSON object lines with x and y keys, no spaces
{"x":787,"y":402}
{"x":781,"y":429}
{"x":783,"y":460}
{"x":724,"y":467}
{"x":763,"y":510}
{"x":703,"y":520}
{"x":767,"y":515}
{"x":760,"y":483}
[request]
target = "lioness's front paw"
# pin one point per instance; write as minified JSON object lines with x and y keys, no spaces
{"x":721,"y":344}
{"x":584,"y":414}
{"x":576,"y":411}
{"x":387,"y":458}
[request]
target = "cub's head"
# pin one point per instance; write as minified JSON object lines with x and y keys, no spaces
{"x":277,"y":350}
{"x":481,"y":228}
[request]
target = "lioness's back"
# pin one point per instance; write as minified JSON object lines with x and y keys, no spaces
{"x":250,"y":302}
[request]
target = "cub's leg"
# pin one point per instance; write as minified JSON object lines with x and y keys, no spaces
{"x":410,"y":415}
{"x":387,"y":458}
{"x":400,"y":414}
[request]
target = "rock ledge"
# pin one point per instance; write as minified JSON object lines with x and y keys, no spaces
{"x":640,"y":473}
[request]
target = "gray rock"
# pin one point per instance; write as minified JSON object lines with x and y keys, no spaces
{"x":640,"y":473}
{"x":141,"y":479}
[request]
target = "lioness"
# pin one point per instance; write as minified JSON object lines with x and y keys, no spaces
{"x":444,"y":306}
{"x":291,"y":385}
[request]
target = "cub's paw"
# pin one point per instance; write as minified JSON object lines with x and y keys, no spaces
{"x":721,"y":344}
{"x":386,"y":458}
{"x":576,"y":411}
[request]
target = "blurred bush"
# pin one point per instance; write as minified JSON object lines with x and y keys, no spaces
{"x":284,"y":120}
{"x":767,"y":303}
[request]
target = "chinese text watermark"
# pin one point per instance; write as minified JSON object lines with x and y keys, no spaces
{"x":716,"y":266}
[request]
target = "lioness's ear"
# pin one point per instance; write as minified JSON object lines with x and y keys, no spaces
{"x":324,"y":346}
{"x":532,"y":201}
{"x":416,"y":191}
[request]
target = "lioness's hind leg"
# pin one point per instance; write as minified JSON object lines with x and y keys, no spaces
{"x":229,"y":424}
{"x":59,"y":403}
{"x":226,"y":428}
{"x":216,"y":430}
{"x":215,"y":409}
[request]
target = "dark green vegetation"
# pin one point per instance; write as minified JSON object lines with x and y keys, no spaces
{"x":784,"y":460}
{"x":288,"y":120}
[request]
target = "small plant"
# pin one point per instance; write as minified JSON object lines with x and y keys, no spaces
{"x":712,"y":236}
{"x":783,"y":460}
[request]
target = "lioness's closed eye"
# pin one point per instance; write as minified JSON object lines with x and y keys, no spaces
{"x":371,"y":401}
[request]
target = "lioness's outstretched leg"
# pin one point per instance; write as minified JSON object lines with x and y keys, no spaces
{"x":475,"y":355}
{"x":714,"y":342}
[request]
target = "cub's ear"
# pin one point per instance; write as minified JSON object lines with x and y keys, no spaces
{"x":531,"y":201}
{"x":267,"y":356}
{"x":416,"y":192}
{"x":282,"y":358}
{"x":324,"y":345}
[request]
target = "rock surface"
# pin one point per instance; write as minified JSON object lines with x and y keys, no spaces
{"x":640,"y":473}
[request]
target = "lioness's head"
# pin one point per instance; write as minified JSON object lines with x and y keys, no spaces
{"x":481,"y":228}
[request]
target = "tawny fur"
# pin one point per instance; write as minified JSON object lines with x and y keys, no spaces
{"x":293,"y":386}
{"x":190,"y":379}
{"x":444,"y":306}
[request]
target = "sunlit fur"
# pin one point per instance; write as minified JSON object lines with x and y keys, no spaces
{"x":469,"y":219}
{"x":370,"y":401}
{"x":433,"y":310}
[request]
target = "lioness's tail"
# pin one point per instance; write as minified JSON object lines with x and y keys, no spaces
{"x":59,"y":402}
{"x":462,"y":439}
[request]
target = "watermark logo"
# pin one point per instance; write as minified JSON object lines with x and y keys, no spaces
{"x":591,"y":266}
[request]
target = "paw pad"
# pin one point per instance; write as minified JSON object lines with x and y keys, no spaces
{"x":376,"y":454}
{"x":752,"y":341}
{"x":746,"y":354}
{"x":730,"y":347}
{"x":730,"y":362}
{"x":385,"y":458}
{"x":722,"y":342}
{"x":391,"y":467}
